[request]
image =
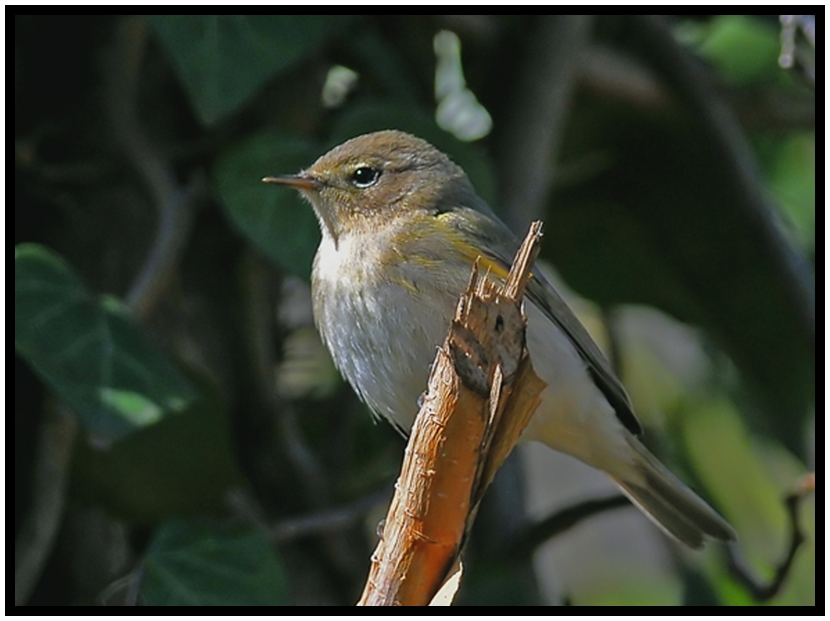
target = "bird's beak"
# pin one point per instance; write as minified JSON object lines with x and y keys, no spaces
{"x":310,"y":187}
{"x":298,"y":182}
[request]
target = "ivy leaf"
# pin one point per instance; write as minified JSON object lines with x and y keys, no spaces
{"x":195,"y":563}
{"x":224,"y":59}
{"x":88,"y":350}
{"x":275,"y":219}
{"x":184,"y":465}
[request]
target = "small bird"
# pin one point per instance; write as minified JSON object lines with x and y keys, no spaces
{"x":401,"y":227}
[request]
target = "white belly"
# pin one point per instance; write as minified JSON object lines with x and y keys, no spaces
{"x":384,"y":338}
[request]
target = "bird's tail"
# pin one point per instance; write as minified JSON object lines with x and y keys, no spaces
{"x":669,"y":503}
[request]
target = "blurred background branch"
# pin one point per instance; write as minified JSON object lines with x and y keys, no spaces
{"x":35,"y":540}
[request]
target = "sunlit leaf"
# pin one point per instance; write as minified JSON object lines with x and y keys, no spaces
{"x":182,"y":465}
{"x":743,"y":48}
{"x":88,"y":350}
{"x":790,"y":167}
{"x":748,"y":479}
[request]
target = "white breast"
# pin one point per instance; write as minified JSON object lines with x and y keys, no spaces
{"x":383,"y":333}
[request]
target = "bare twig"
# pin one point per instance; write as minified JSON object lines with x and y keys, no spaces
{"x":40,"y":526}
{"x":482,"y":392}
{"x":737,"y":567}
{"x":174,"y":204}
{"x":321,"y":522}
{"x":525,"y":542}
{"x":326,"y":521}
{"x":260,"y":307}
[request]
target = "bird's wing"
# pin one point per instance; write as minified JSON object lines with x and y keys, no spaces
{"x":496,"y":244}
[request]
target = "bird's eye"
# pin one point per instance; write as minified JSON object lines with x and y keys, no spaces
{"x":365,"y":176}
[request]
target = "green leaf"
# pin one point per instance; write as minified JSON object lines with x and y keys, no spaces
{"x":275,"y":219}
{"x":193,"y":563}
{"x":744,"y":49}
{"x":718,"y":443}
{"x":790,"y":166}
{"x":749,"y":478}
{"x":183,"y":465}
{"x":88,"y":350}
{"x":224,"y":59}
